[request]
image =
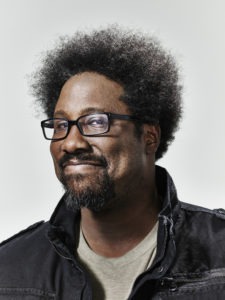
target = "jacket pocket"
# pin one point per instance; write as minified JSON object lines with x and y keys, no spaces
{"x":212,"y":288}
{"x":216,"y":292}
{"x":25,"y":294}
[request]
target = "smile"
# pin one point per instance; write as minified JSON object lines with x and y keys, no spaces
{"x":80,"y":165}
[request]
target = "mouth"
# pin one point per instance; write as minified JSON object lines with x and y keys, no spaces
{"x":75,"y":166}
{"x":79,"y":163}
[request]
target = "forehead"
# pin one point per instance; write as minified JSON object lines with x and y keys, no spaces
{"x":89,"y":91}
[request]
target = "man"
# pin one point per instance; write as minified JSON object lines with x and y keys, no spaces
{"x":113,"y":102}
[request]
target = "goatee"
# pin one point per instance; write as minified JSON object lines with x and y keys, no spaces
{"x":91,"y":191}
{"x":94,"y":196}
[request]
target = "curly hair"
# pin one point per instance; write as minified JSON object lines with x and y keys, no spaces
{"x":148,"y":74}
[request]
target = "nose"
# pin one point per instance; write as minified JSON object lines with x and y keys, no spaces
{"x":75,"y":141}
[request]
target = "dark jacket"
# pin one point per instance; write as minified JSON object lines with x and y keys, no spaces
{"x":40,"y":262}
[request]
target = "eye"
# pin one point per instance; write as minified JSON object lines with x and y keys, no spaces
{"x":60,"y":125}
{"x":97,"y":121}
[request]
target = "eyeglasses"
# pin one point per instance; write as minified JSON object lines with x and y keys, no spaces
{"x":56,"y":129}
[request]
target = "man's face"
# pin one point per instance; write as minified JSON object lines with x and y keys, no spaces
{"x":99,"y":171}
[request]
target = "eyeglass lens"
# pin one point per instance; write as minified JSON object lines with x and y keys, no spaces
{"x":93,"y":124}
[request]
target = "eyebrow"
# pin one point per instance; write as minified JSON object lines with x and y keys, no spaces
{"x":85,"y":111}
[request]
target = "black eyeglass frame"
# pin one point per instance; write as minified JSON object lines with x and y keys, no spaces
{"x":110,"y":116}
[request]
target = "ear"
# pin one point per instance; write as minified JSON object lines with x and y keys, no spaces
{"x":151,"y":136}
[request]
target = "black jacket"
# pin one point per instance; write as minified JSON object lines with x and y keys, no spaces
{"x":40,"y":262}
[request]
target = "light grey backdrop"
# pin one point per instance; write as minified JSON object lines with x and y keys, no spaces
{"x":194,"y":30}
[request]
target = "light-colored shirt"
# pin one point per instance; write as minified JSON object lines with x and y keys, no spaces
{"x":113,"y":278}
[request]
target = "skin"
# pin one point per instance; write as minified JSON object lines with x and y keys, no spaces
{"x":132,"y":213}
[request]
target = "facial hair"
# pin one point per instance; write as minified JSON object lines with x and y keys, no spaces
{"x":91,"y":191}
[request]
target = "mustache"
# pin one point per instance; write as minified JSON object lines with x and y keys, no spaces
{"x":82,"y":157}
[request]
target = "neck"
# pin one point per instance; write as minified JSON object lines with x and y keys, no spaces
{"x":113,"y":232}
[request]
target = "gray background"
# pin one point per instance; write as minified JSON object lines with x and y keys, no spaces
{"x":193,"y":30}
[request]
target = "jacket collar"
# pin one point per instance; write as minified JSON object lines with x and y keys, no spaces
{"x":167,"y":191}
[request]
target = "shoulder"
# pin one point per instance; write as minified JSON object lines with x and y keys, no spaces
{"x":23,"y":261}
{"x":22,"y":253}
{"x":200,"y":219}
{"x":220,"y":212}
{"x":199,"y":237}
{"x":199,"y":234}
{"x":20,"y":246}
{"x":199,"y":226}
{"x":23,"y":234}
{"x":201,"y":215}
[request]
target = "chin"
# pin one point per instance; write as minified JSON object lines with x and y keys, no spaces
{"x":93,"y":193}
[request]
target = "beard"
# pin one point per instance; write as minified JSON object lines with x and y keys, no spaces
{"x":94,"y":192}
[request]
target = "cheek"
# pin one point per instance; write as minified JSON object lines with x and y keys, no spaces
{"x":54,"y":150}
{"x":123,"y":158}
